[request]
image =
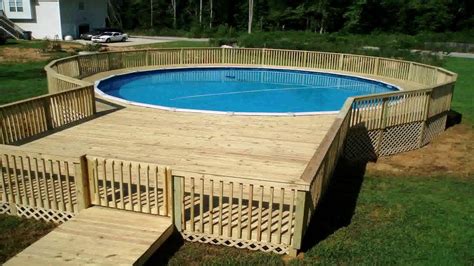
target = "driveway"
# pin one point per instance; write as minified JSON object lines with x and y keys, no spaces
{"x":143,"y":40}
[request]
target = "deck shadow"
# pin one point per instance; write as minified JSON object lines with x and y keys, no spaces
{"x":338,"y":205}
{"x":453,"y":118}
{"x":164,"y":253}
{"x":103,"y":108}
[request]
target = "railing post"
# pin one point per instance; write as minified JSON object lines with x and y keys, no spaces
{"x":426,"y":115}
{"x":262,"y":60}
{"x":181,"y":58}
{"x":301,"y":219}
{"x":3,"y":131}
{"x":79,"y":69}
{"x":147,"y":57}
{"x":168,"y":190}
{"x":82,"y":184}
{"x":341,"y":61}
{"x":410,"y":72}
{"x":382,"y":126}
{"x":305,"y":59}
{"x":178,"y":195}
{"x":47,"y":113}
{"x":376,"y":67}
{"x":94,"y":107}
{"x":223,"y":55}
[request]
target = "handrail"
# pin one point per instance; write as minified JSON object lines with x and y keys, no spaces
{"x":9,"y":27}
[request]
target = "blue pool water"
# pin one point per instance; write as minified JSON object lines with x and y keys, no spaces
{"x":241,"y":90}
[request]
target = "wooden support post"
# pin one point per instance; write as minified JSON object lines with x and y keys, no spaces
{"x":168,"y":190}
{"x":410,"y":72}
{"x":305,"y":59}
{"x":376,"y":67}
{"x":3,"y":131}
{"x":301,"y":219}
{"x":79,"y":68}
{"x":147,"y":57}
{"x":341,"y":61}
{"x":94,"y":107}
{"x":181,"y":56}
{"x":426,"y":115}
{"x":82,"y":184}
{"x":47,"y":113}
{"x":223,"y":55}
{"x":178,"y":198}
{"x":383,"y":120}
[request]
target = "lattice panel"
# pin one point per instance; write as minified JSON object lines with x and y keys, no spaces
{"x":400,"y":138}
{"x":434,"y":126}
{"x":360,"y":144}
{"x":4,"y":208}
{"x":43,"y":214}
{"x":242,"y":244}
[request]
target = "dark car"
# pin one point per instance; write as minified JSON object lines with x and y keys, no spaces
{"x":88,"y":35}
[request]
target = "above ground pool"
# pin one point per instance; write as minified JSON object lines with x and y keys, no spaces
{"x":239,"y":90}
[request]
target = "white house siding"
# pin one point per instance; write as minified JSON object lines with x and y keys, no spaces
{"x":94,"y":15}
{"x":46,"y":21}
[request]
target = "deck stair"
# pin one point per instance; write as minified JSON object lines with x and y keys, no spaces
{"x":9,"y":28}
{"x":99,"y":236}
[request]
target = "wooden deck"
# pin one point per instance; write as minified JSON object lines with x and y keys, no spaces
{"x":99,"y":236}
{"x":265,"y":148}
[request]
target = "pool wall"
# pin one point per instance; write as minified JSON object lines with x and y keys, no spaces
{"x":121,"y":100}
{"x":366,"y":127}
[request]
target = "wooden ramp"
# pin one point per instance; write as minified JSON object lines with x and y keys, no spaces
{"x":100,"y":236}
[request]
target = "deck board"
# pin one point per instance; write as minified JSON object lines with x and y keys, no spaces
{"x":99,"y":236}
{"x":262,"y":147}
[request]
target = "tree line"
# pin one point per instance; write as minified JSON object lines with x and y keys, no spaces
{"x":353,"y":16}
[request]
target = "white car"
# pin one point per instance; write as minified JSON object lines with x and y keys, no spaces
{"x":110,"y":37}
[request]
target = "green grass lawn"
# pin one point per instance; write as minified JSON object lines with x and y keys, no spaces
{"x":16,"y":234}
{"x":22,"y":80}
{"x":405,"y":221}
{"x":463,"y":101}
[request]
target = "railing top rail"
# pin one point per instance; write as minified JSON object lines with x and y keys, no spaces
{"x":42,"y":97}
{"x":53,"y":63}
{"x":297,"y":184}
{"x":21,"y":151}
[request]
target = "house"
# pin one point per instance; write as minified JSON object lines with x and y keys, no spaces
{"x":55,"y":18}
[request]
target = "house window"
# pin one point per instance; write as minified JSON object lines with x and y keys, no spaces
{"x":16,"y":5}
{"x":81,"y":5}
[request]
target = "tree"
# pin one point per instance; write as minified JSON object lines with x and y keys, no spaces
{"x":174,"y":7}
{"x":210,"y":13}
{"x":250,"y":16}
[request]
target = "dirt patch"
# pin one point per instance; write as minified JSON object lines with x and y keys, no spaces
{"x":22,"y":55}
{"x":449,"y":154}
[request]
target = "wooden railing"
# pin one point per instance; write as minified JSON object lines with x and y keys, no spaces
{"x":127,"y":185}
{"x":60,"y":71}
{"x":235,"y":212}
{"x":28,"y":118}
{"x":41,"y":186}
{"x":254,"y":214}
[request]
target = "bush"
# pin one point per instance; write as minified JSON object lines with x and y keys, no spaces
{"x":92,"y":47}
{"x":50,"y":46}
{"x":384,"y":45}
